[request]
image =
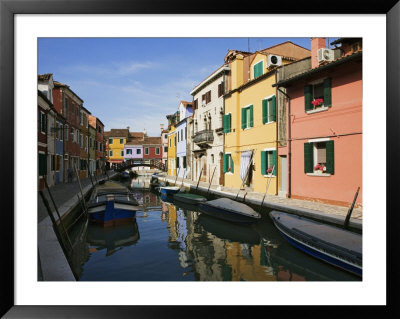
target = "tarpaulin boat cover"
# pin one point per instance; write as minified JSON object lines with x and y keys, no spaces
{"x":233,"y":206}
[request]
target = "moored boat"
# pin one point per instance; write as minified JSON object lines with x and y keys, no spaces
{"x":169,"y":190}
{"x":111,"y":202}
{"x":331,"y":244}
{"x":230,"y":210}
{"x":189,"y":198}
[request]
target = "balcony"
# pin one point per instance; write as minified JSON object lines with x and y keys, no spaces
{"x":203,"y":137}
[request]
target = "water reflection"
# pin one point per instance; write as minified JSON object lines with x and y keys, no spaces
{"x":177,"y":242}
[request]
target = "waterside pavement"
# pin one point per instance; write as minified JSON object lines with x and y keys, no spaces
{"x":316,"y":210}
{"x":52,"y":263}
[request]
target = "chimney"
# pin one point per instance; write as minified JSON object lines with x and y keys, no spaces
{"x":127,"y":128}
{"x":316,"y":43}
{"x":162,"y":127}
{"x":144,"y":132}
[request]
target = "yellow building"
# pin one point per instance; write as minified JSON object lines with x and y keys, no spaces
{"x":115,"y":142}
{"x":250,"y":120}
{"x":172,"y":151}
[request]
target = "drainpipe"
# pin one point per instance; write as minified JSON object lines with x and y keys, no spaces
{"x":289,"y":146}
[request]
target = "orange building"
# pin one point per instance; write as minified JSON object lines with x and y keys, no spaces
{"x":322,"y":160}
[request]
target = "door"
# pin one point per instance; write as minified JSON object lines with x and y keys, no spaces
{"x":283,"y":176}
{"x":221,"y":170}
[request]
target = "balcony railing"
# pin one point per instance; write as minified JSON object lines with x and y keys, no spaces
{"x":203,"y":137}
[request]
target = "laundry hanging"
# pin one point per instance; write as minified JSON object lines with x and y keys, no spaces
{"x":244,"y":164}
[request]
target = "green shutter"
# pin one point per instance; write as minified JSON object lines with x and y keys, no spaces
{"x":264,"y":111}
{"x":42,"y":164}
{"x":327,"y":92}
{"x":273,"y":109}
{"x":308,"y":97}
{"x":226,"y":123}
{"x":243,"y":118}
{"x":251,"y":116}
{"x":263,"y":162}
{"x":231,"y":159}
{"x":229,"y":122}
{"x":308,"y":158}
{"x":274,"y":162}
{"x":224,"y":163}
{"x":330,"y":156}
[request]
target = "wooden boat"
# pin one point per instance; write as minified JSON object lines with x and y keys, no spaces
{"x":333,"y":245}
{"x":189,"y":198}
{"x":124,"y":174}
{"x":229,"y":210}
{"x":169,"y":189}
{"x":111,"y":202}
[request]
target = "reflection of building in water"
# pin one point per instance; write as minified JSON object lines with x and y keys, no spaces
{"x":248,"y":262}
{"x":142,"y":182}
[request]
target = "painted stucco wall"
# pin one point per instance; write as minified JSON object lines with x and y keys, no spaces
{"x":172,"y":152}
{"x":343,"y":118}
{"x":134,"y":149}
{"x":181,"y":138}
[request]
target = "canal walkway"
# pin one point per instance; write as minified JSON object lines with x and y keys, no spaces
{"x":316,"y":210}
{"x":52,"y":263}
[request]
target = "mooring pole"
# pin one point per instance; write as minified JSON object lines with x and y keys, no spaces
{"x":199,"y":177}
{"x":346,"y":221}
{"x":90,"y":175}
{"x":211,"y":179}
{"x":53,"y":220}
{"x":269,"y":181}
{"x":79,"y":181}
{"x":58,"y":214}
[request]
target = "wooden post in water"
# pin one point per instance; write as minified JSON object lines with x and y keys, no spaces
{"x":58,"y":214}
{"x":346,"y":221}
{"x":269,"y":181}
{"x":80,"y":186}
{"x":59,"y":237}
{"x":211,"y":180}
{"x":177,"y":176}
{"x":199,"y":178}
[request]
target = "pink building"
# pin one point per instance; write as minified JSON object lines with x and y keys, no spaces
{"x":322,"y":159}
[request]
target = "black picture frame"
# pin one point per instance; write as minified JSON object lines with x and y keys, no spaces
{"x":8,"y":10}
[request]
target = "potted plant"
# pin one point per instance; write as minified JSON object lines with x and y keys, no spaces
{"x":269,"y":170}
{"x":317,"y":102}
{"x":319,"y":168}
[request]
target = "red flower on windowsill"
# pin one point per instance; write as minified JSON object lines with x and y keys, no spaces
{"x":317,"y":102}
{"x":320,"y":167}
{"x":269,"y":170}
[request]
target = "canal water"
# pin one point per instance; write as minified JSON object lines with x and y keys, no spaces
{"x":174,"y":242}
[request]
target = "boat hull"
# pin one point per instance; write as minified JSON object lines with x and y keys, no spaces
{"x":111,"y":212}
{"x":189,"y":198}
{"x":330,"y":252}
{"x":225,"y":215}
{"x":169,"y":190}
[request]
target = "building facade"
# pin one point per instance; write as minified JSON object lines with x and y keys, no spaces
{"x":207,"y":128}
{"x":326,"y":126}
{"x":84,"y":142}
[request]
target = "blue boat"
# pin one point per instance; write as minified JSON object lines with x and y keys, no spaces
{"x":333,"y":245}
{"x":230,"y":210}
{"x":110,"y":203}
{"x":165,"y":190}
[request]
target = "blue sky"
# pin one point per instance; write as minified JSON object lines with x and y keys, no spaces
{"x":136,"y":82}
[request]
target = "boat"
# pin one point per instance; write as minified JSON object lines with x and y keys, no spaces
{"x":229,"y":210}
{"x":111,"y":202}
{"x":169,"y":189}
{"x":167,"y":198}
{"x":189,"y":198}
{"x":124,"y":174}
{"x":331,"y":244}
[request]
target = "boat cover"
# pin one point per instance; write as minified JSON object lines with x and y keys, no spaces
{"x":233,"y":206}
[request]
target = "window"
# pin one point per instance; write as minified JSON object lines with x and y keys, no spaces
{"x":66,"y":132}
{"x":165,"y":149}
{"x":206,"y":98}
{"x":269,"y":110}
{"x":175,"y":140}
{"x":138,"y":151}
{"x":77,"y":136}
{"x":268,"y":162}
{"x":177,"y":162}
{"x":99,"y":129}
{"x":178,"y":137}
{"x":227,"y":122}
{"x":247,"y":117}
{"x":121,"y":141}
{"x":53,"y":162}
{"x":318,"y":96}
{"x":43,"y":126}
{"x":184,"y":161}
{"x":212,"y":158}
{"x":90,"y":142}
{"x":227,"y":163}
{"x":319,"y":157}
{"x":81,"y":140}
{"x":86,"y":145}
{"x":122,"y":153}
{"x":195,"y":104}
{"x":111,"y":153}
{"x":128,"y":151}
{"x":65,"y":111}
{"x":157,"y":151}
{"x":170,"y":142}
{"x":81,"y":118}
{"x":165,"y":136}
{"x":186,"y":133}
{"x":110,"y":141}
{"x":146,"y":150}
{"x":42,"y":164}
{"x":220,"y":89}
{"x":181,"y":134}
{"x":72,"y":135}
{"x":257,"y":69}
